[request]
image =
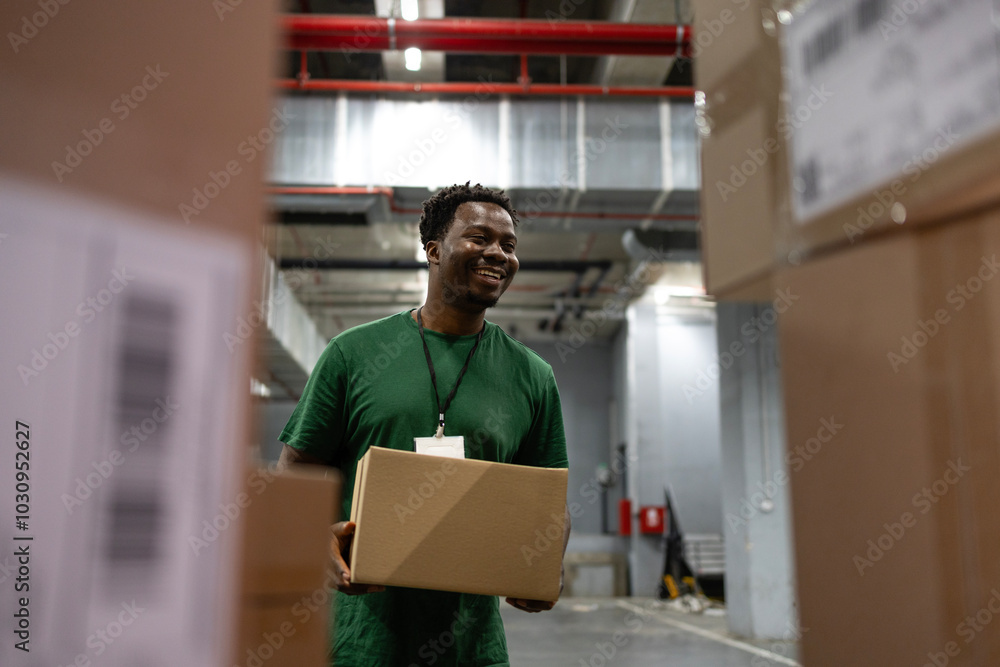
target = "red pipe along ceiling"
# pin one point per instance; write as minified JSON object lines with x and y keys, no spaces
{"x":390,"y":196}
{"x":313,"y":32}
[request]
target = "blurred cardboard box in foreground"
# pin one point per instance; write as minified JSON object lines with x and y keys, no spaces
{"x":895,"y":111}
{"x":737,"y":66}
{"x":287,"y":587}
{"x":121,"y":118}
{"x":891,"y":371}
{"x":826,"y":124}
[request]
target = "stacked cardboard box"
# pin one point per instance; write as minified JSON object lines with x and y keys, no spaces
{"x":736,"y":64}
{"x":878,"y":208}
{"x":897,"y":344}
{"x":808,"y":149}
{"x":124,"y":187}
{"x":896,"y":118}
{"x":893,"y":338}
{"x":286,"y":585}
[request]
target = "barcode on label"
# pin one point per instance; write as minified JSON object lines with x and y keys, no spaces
{"x":146,"y":357}
{"x":136,"y":520}
{"x":831,"y":38}
{"x":869,"y":13}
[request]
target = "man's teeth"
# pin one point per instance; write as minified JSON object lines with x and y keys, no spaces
{"x":487,"y":272}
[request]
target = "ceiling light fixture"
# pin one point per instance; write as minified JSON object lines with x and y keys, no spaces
{"x":409,"y":10}
{"x":412,"y":57}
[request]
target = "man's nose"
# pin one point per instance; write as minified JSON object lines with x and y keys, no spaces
{"x":495,"y":251}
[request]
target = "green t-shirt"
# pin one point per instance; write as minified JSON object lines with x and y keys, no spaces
{"x":372,"y":387}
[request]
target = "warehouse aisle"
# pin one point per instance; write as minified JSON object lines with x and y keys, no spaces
{"x":631,"y":632}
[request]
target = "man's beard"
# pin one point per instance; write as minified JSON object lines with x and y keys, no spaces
{"x":453,"y":296}
{"x":481,"y":301}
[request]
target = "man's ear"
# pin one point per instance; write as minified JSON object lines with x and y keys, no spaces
{"x":433,"y":252}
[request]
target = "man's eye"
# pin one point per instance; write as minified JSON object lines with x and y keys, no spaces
{"x":508,"y":247}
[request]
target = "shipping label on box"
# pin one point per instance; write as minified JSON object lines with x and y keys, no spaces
{"x":460,"y":525}
{"x":129,"y":417}
{"x":884,"y":90}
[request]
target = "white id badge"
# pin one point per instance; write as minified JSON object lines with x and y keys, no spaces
{"x":452,"y":446}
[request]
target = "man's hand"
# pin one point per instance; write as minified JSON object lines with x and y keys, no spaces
{"x":530,"y":606}
{"x":535,"y":606}
{"x":340,"y":552}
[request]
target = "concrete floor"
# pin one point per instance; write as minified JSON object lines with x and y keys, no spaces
{"x":632,"y":632}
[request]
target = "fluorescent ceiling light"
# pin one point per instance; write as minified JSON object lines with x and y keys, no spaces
{"x":412,"y":58}
{"x":663,"y":293}
{"x":408,"y":8}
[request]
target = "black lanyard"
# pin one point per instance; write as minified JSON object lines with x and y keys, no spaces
{"x":430,"y":367}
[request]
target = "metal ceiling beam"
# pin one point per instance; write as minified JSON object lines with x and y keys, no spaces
{"x":637,"y":70}
{"x":338,"y":191}
{"x":457,"y":88}
{"x":389,"y":194}
{"x":463,"y":35}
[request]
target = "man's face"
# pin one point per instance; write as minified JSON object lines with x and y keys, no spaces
{"x":475,"y":258}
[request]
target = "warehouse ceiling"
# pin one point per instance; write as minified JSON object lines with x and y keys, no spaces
{"x":610,"y":70}
{"x":571,"y":268}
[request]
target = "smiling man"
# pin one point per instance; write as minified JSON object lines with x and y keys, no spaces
{"x":441,"y":368}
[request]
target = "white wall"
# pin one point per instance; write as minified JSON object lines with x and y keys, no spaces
{"x":585,"y":387}
{"x":673,"y":435}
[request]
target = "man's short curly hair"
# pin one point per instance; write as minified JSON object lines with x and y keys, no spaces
{"x":439,"y":210}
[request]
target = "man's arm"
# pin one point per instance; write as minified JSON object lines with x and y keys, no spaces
{"x":341,"y":532}
{"x":546,"y":447}
{"x":533,"y":606}
{"x":292,"y":455}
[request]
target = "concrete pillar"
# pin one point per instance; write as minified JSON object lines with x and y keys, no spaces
{"x":760,"y":576}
